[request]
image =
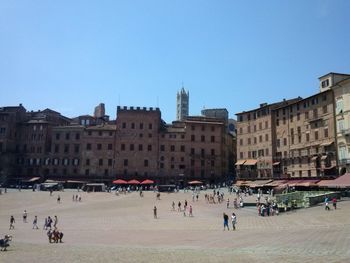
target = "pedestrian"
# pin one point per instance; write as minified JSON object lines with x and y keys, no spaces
{"x":326,"y":204}
{"x":49,"y":222}
{"x":334,"y":201}
{"x":45,"y":224}
{"x":228,"y":203}
{"x":234,"y":221}
{"x":226,"y":221}
{"x":12,"y":223}
{"x":179,"y":207}
{"x":191,"y":214}
{"x":35,"y":223}
{"x":173,"y":206}
{"x":155,"y":212}
{"x":58,"y":199}
{"x":73,"y":198}
{"x":25,"y":216}
{"x":79,"y":198}
{"x":55,"y":222}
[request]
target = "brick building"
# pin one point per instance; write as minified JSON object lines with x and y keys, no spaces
{"x":296,"y":138}
{"x":256,"y":141}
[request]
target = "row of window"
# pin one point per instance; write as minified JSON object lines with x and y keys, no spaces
{"x":255,"y":140}
{"x":99,"y":146}
{"x":306,"y":115}
{"x":140,"y":126}
{"x":66,"y":148}
{"x":299,"y":138}
{"x":283,"y":111}
{"x":48,"y":161}
{"x":67,"y":135}
{"x":254,"y":127}
{"x":255,"y":154}
{"x":172,"y":166}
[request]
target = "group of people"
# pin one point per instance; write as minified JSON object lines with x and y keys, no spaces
{"x":233,"y":221}
{"x":334,"y":202}
{"x":76,"y":198}
{"x":49,"y":222}
{"x":184,"y":210}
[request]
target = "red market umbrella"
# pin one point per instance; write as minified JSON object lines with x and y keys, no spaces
{"x":147,"y":181}
{"x":133,"y":182}
{"x":119,"y":181}
{"x":195,"y":182}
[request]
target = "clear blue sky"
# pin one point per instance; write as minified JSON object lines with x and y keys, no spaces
{"x":70,"y":55}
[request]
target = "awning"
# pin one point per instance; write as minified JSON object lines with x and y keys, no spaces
{"x":276,"y":183}
{"x":259,"y":183}
{"x":119,"y":181}
{"x":133,"y":182}
{"x":195,"y":182}
{"x":240,"y":162}
{"x":31,"y":180}
{"x":251,"y":162}
{"x":147,"y":181}
{"x":240,"y":183}
{"x":340,"y":182}
{"x":324,"y":183}
{"x":324,"y":157}
{"x":292,"y":183}
{"x":314,"y":158}
{"x":276,"y":163}
{"x":326,"y":143}
{"x":307,"y":183}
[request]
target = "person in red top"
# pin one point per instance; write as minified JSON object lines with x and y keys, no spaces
{"x":334,"y":201}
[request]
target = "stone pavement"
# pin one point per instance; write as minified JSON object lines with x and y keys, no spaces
{"x":109,"y":228}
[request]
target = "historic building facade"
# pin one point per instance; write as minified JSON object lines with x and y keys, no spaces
{"x":296,"y":138}
{"x":256,"y":141}
{"x":340,"y":84}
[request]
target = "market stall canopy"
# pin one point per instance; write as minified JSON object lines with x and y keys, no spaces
{"x":340,"y":182}
{"x":242,"y":183}
{"x":240,"y":162}
{"x":31,"y":180}
{"x":119,"y":181}
{"x":275,"y":183}
{"x":251,"y":162}
{"x":259,"y":183}
{"x":307,"y":183}
{"x":147,"y":181}
{"x":195,"y":182}
{"x":133,"y":182}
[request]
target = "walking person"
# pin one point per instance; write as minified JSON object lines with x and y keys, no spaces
{"x":49,"y":222}
{"x":45,"y":224}
{"x":228,"y":203}
{"x":155,"y":212}
{"x":326,"y":204}
{"x":12,"y":223}
{"x":58,"y":199}
{"x":35,"y":223}
{"x":226,"y":221}
{"x":25,"y":216}
{"x":55,"y":222}
{"x":234,"y":221}
{"x":191,"y":214}
{"x":334,"y":201}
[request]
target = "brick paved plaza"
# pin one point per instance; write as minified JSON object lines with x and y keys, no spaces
{"x":109,"y":228}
